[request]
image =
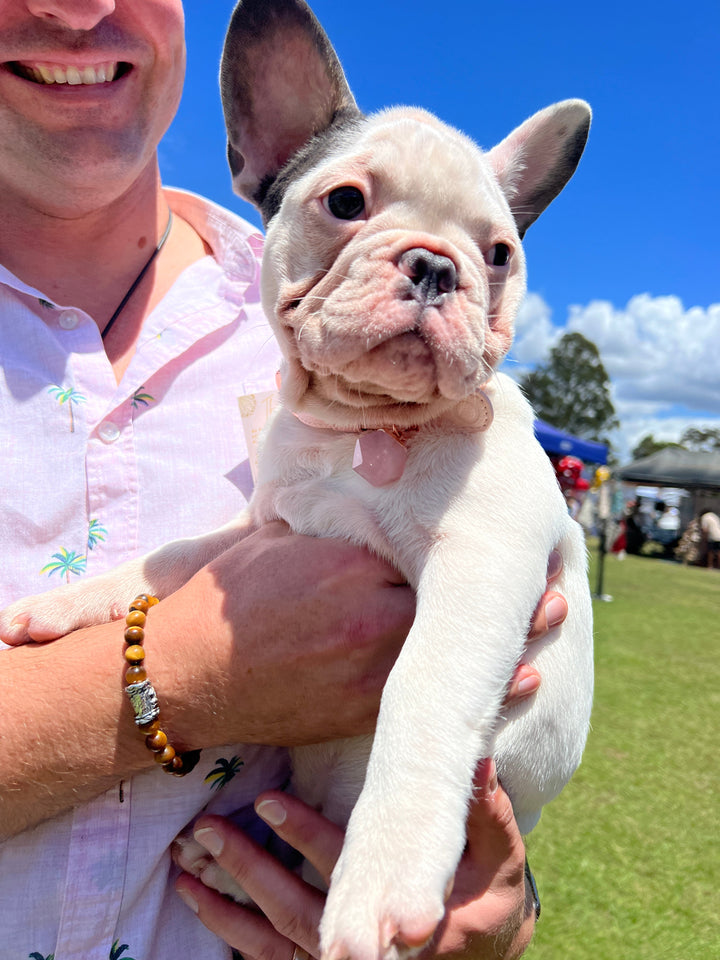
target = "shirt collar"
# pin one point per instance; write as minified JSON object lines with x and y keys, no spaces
{"x":235,"y":243}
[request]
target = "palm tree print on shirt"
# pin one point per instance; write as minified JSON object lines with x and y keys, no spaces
{"x":223,"y":772}
{"x":138,"y":399}
{"x":117,"y":950}
{"x":116,"y":953}
{"x":69,"y":396}
{"x":96,"y":534}
{"x":66,"y":562}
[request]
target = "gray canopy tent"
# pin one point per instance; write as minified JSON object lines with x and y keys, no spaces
{"x":698,"y":473}
{"x":673,"y":467}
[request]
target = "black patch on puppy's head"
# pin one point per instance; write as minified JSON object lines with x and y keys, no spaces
{"x":271,"y":191}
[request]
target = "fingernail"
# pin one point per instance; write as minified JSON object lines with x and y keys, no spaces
{"x":555,"y":611}
{"x":272,"y":812}
{"x":212,"y":841}
{"x":528,"y":685}
{"x":491,"y":784}
{"x":555,"y":565}
{"x":188,"y":899}
{"x":487,"y":780}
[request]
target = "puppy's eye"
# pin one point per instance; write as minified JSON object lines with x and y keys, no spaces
{"x":498,"y":255}
{"x":345,"y":203}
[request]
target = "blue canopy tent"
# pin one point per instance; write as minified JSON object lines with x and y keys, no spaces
{"x":554,"y":441}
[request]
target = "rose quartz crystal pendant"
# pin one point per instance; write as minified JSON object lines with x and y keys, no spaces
{"x":379,"y":458}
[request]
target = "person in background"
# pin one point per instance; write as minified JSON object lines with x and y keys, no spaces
{"x":710,"y":527}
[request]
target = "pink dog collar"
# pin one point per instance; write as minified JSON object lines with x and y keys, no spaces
{"x":380,"y":455}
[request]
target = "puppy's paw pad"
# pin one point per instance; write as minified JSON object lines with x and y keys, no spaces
{"x":378,"y":932}
{"x":18,"y":625}
{"x":14,"y":627}
{"x":190,"y":856}
{"x":336,"y":951}
{"x":194,"y":859}
{"x":409,"y":935}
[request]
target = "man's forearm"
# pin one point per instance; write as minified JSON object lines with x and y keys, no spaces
{"x":220,"y":652}
{"x":67,"y":734}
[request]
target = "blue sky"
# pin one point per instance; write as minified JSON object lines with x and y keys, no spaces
{"x":629,"y":254}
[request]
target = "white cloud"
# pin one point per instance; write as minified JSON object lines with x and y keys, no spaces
{"x":663,"y":360}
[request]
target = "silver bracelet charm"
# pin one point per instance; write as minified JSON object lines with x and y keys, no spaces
{"x":144,"y":701}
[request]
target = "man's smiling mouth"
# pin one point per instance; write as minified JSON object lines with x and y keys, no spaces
{"x":73,"y":75}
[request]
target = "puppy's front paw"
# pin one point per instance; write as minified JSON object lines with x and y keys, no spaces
{"x":375,"y":913}
{"x":193,"y":858}
{"x":47,"y":616}
{"x":389,"y":887}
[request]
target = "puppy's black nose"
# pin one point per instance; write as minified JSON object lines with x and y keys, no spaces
{"x":432,"y":276}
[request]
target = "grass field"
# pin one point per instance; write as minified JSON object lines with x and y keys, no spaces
{"x":627,"y":859}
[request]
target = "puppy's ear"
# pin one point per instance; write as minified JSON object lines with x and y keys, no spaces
{"x":281,"y":84}
{"x":535,"y":162}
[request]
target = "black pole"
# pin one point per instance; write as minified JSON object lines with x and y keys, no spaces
{"x":599,"y":594}
{"x":601,"y":560}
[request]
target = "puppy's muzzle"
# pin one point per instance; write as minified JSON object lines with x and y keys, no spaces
{"x":432,"y":276}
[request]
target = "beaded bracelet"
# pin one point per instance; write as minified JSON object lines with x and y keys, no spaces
{"x":143,"y":697}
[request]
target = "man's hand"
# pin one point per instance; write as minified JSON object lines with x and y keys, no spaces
{"x":326,"y":613}
{"x":490,"y":912}
{"x":296,"y":636}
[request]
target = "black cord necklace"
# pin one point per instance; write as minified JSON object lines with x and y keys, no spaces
{"x":138,"y":278}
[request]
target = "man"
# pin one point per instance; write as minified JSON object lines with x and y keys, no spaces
{"x":127,"y":337}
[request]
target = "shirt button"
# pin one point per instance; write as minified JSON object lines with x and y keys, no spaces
{"x":108,"y":431}
{"x":68,"y":320}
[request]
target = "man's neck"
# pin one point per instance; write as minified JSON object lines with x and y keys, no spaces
{"x":91,"y":260}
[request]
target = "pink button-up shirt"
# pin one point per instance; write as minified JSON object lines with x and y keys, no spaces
{"x":93,"y":474}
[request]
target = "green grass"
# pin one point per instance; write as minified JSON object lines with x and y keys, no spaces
{"x":627,"y":859}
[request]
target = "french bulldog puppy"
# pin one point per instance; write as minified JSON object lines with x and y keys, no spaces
{"x":393,"y":271}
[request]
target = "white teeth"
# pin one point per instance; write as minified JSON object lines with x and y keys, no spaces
{"x":74,"y":76}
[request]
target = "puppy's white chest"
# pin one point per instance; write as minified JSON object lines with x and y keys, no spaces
{"x":310,"y":482}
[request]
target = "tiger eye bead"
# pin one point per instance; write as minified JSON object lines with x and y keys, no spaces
{"x":150,"y":727}
{"x":135,"y":674}
{"x":135,"y":654}
{"x":156,"y":741}
{"x":167,"y":755}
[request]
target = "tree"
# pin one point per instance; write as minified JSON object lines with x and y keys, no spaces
{"x":693,"y":439}
{"x":649,"y":445}
{"x":572,"y":390}
{"x":697,"y":439}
